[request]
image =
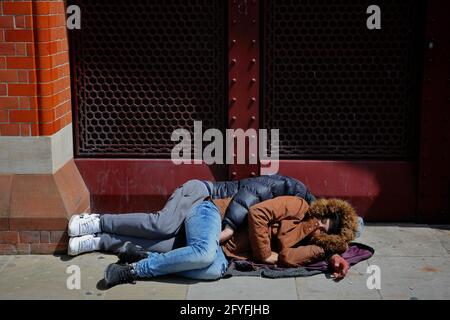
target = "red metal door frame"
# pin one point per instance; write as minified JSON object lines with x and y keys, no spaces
{"x":244,"y":76}
{"x":434,"y":173}
{"x":379,"y":190}
{"x":138,"y":185}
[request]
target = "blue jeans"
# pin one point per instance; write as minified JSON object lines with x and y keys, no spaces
{"x":202,"y":257}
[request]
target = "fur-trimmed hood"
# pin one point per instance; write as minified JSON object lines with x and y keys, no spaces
{"x":326,"y":208}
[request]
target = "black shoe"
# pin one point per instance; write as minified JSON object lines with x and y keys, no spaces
{"x":130,"y":253}
{"x":116,"y":274}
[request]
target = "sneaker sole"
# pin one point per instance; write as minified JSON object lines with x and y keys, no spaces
{"x":104,"y":276}
{"x":69,"y":231}
{"x":69,"y":251}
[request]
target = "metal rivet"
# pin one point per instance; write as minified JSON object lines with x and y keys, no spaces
{"x":233,"y":174}
{"x":233,"y":99}
{"x":253,"y":118}
{"x":253,"y":80}
{"x":253,"y":99}
{"x":253,"y":42}
{"x":233,"y":61}
{"x":234,"y":80}
{"x":253,"y":174}
{"x":253,"y":60}
{"x":233,"y":117}
{"x":234,"y":41}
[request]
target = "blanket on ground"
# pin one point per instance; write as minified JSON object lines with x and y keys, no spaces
{"x":355,"y":253}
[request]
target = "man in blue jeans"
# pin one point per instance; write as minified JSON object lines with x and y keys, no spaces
{"x":201,"y":258}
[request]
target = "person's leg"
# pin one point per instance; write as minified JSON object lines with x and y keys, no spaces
{"x":163,"y":224}
{"x":203,"y":226}
{"x":110,"y":242}
{"x":212,"y":272}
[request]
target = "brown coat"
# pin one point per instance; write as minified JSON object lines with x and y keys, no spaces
{"x":277,"y":225}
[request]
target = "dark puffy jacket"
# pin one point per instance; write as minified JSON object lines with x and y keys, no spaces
{"x":247,"y":192}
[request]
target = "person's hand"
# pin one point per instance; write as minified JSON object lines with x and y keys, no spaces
{"x":340,"y":266}
{"x":272,"y":259}
{"x":226,"y":234}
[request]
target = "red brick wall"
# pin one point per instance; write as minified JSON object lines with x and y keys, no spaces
{"x":34,"y":68}
{"x":33,"y":242}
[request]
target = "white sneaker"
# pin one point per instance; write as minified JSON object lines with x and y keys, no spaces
{"x":79,"y":245}
{"x":83,"y":224}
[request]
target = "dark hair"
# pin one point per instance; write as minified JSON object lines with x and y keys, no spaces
{"x":335,"y":224}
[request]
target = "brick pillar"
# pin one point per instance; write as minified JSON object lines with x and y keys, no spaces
{"x":40,"y":186}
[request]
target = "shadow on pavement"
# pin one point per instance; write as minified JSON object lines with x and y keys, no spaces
{"x":102,"y":286}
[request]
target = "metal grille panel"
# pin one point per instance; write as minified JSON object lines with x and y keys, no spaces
{"x":144,"y":69}
{"x":336,"y":89}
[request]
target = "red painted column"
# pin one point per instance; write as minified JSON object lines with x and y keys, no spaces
{"x":434,"y":176}
{"x":244,"y":64}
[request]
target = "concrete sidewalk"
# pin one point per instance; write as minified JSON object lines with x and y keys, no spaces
{"x":414,"y":262}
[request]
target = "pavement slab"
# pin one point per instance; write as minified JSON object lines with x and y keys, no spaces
{"x":413,"y":278}
{"x":353,"y":287}
{"x":404,"y":241}
{"x":247,"y":288}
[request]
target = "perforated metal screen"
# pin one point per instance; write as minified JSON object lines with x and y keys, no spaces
{"x":336,"y":89}
{"x":144,"y":69}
